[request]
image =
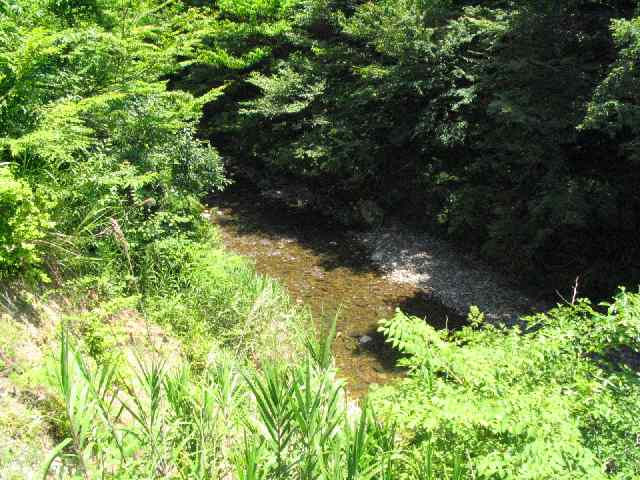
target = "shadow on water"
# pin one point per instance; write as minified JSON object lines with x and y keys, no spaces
{"x":255,"y":216}
{"x":326,"y":269}
{"x":423,"y":305}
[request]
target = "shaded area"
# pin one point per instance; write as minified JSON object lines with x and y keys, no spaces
{"x":13,"y":303}
{"x":247,"y":214}
{"x":326,"y":269}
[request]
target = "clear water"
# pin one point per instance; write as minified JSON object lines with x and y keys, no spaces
{"x":324,"y":268}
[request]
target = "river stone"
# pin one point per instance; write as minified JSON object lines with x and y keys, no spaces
{"x":365,"y":339}
{"x":317,"y":272}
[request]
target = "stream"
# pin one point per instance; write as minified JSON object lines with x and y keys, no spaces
{"x":325,"y":268}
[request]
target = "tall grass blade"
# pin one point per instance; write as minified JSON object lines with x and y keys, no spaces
{"x":55,"y":453}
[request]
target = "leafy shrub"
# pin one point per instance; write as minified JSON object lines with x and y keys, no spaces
{"x":87,"y":120}
{"x":614,"y":108}
{"x":22,"y":225}
{"x":613,"y":326}
{"x":522,"y":405}
{"x":73,"y":10}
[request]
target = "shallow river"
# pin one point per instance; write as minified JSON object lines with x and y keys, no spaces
{"x":326,"y":269}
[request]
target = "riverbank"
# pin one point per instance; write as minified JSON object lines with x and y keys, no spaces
{"x":456,"y":280}
{"x":360,"y":277}
{"x":403,"y":253}
{"x":327,"y":271}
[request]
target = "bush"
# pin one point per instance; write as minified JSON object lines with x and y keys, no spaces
{"x":553,"y":403}
{"x":73,"y":10}
{"x":22,"y":225}
{"x":87,"y":119}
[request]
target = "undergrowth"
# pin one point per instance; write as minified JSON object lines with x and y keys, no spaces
{"x":231,"y":420}
{"x":167,"y":357}
{"x":557,"y":400}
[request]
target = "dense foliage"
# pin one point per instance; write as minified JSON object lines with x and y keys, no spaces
{"x":161,"y":355}
{"x":509,"y":126}
{"x":559,"y":401}
{"x":93,"y":138}
{"x":22,"y":224}
{"x":556,"y":402}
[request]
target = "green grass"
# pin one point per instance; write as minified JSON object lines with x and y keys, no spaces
{"x":206,"y":294}
{"x":169,"y":357}
{"x":228,"y":421}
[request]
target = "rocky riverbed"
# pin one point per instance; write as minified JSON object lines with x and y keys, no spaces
{"x":451,"y":277}
{"x":360,"y":277}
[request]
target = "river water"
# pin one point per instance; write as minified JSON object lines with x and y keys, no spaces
{"x":326,"y":269}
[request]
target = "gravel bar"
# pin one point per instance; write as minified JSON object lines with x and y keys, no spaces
{"x":456,"y":280}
